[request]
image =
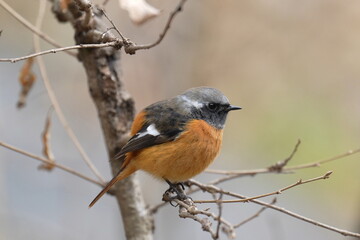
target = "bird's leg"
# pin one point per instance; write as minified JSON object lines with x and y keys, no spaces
{"x":178,"y":189}
{"x":180,"y":185}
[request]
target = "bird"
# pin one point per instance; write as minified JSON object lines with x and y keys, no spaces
{"x":175,"y":139}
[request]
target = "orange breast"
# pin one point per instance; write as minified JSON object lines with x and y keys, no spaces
{"x":184,"y":157}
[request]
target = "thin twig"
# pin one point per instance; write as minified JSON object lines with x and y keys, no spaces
{"x":212,"y":188}
{"x":133,"y":48}
{"x":278,"y":167}
{"x":46,"y":133}
{"x":237,"y":173}
{"x":319,"y":163}
{"x":129,"y":46}
{"x":44,"y":160}
{"x":55,"y":50}
{"x":274,"y":207}
{"x":218,"y":219}
{"x":31,"y":27}
{"x":187,"y":209}
{"x":55,"y":102}
{"x":191,"y":208}
{"x":298,"y":183}
{"x":305,"y":219}
{"x":126,"y":41}
{"x":254,"y":216}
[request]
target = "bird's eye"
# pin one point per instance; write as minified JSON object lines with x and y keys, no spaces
{"x":212,"y":106}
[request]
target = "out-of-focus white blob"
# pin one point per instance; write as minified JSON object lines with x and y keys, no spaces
{"x":139,"y":10}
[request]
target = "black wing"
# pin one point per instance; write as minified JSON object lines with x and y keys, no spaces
{"x":163,"y":124}
{"x":144,"y":140}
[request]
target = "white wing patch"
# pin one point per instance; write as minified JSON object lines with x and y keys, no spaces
{"x":150,"y":130}
{"x":192,"y":102}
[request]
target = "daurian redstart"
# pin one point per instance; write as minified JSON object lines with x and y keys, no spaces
{"x":175,"y":139}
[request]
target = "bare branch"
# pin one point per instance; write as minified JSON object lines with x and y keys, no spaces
{"x":280,"y":209}
{"x":125,"y":40}
{"x":298,"y":183}
{"x":212,"y":189}
{"x":305,"y":219}
{"x":45,"y":136}
{"x":46,"y":161}
{"x":187,"y":209}
{"x":205,"y":223}
{"x":55,"y":50}
{"x":319,"y":163}
{"x":132,"y":48}
{"x":278,"y":167}
{"x":28,"y":25}
{"x":116,"y":111}
{"x":129,"y":46}
{"x":239,"y":173}
{"x":218,"y":219}
{"x":254,"y":216}
{"x":56,"y":104}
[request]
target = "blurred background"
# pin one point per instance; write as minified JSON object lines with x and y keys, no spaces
{"x":292,"y":65}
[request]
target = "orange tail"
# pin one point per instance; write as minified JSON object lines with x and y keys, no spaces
{"x":123,"y":173}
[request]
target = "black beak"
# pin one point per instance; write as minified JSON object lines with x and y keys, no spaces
{"x":231,"y":108}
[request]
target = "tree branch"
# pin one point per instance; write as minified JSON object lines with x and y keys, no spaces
{"x":254,"y":216}
{"x":129,"y":46}
{"x":55,"y":102}
{"x":28,"y":25}
{"x":280,"y":209}
{"x":218,"y":219}
{"x":44,"y":160}
{"x":319,"y":163}
{"x":278,"y":167}
{"x":187,"y":209}
{"x":115,"y":110}
{"x":55,"y":50}
{"x":300,"y":182}
{"x":239,"y":173}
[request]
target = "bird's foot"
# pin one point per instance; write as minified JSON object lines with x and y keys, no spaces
{"x":178,"y":190}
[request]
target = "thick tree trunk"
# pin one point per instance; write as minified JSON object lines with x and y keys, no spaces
{"x":116,"y":108}
{"x":116,"y":112}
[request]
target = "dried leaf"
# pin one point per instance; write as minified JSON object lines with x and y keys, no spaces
{"x":45,"y":137}
{"x":139,"y":10}
{"x":64,"y":4}
{"x":26,"y":79}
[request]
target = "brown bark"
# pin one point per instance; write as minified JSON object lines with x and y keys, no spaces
{"x":115,"y":109}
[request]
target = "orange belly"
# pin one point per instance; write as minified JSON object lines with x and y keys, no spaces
{"x":183,"y":158}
